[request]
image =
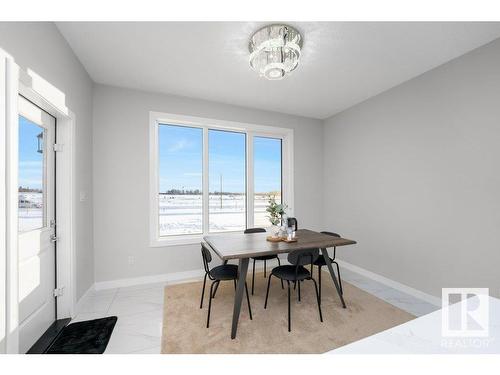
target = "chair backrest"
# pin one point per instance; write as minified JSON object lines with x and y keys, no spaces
{"x":292,"y":222}
{"x":331,"y":234}
{"x":303,"y":257}
{"x":254,"y":230}
{"x":206,"y":256}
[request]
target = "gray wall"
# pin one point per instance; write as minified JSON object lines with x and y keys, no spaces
{"x":412,"y":174}
{"x":121,"y":177}
{"x":40,"y":47}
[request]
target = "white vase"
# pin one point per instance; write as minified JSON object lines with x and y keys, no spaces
{"x":275,"y":230}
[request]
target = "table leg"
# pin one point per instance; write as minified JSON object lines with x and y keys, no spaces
{"x":332,"y":274}
{"x":238,"y":297}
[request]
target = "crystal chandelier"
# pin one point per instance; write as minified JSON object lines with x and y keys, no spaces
{"x":275,"y":51}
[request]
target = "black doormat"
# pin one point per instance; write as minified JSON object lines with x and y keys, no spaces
{"x":88,"y":337}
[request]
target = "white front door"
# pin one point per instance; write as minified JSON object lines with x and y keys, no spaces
{"x":36,"y":197}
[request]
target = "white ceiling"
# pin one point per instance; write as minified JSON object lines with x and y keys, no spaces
{"x":342,"y":63}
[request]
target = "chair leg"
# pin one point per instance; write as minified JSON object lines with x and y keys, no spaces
{"x":253,"y":275}
{"x":216,"y":282}
{"x":340,"y":280}
{"x":317,"y":298}
{"x":265,"y":263}
{"x":210,"y":302}
{"x":203,"y":290}
{"x":267,"y":292}
{"x":234,"y":281}
{"x":248,"y":301}
{"x":215,"y":290}
{"x":298,"y":282}
{"x":319,"y":282}
{"x":289,"y":310}
{"x":279,"y":264}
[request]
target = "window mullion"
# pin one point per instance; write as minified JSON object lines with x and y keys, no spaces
{"x":205,"y":199}
{"x":287,"y":194}
{"x":250,"y":181}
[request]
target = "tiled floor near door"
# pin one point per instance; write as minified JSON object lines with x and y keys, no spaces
{"x":139,"y":311}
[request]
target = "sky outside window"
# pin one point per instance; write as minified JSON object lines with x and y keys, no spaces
{"x":30,"y":160}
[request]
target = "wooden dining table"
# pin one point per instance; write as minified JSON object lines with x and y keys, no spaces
{"x":242,"y":247}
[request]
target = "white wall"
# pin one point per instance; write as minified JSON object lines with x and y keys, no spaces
{"x":413,"y":175}
{"x":121,"y":180}
{"x":40,"y":47}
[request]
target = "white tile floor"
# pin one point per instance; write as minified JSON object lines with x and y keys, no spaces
{"x":139,"y":311}
{"x":399,"y":299}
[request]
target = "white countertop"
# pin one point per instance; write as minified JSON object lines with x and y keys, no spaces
{"x":423,"y":336}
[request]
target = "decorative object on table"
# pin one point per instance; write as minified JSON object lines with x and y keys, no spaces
{"x":281,"y":239}
{"x":275,"y":231}
{"x":273,"y":238}
{"x":284,"y":225}
{"x":292,"y":222}
{"x":276,"y":212}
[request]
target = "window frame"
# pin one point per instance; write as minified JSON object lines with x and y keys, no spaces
{"x":251,"y":130}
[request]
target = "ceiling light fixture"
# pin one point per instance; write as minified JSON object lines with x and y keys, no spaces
{"x":275,"y":51}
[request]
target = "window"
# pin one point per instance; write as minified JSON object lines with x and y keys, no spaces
{"x":267,"y":175}
{"x":227,"y":186}
{"x":211,"y":176}
{"x":31,"y":208}
{"x":180,"y":162}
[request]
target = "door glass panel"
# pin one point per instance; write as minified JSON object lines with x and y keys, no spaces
{"x":180,"y":180}
{"x":227,"y":181}
{"x":267,"y":176}
{"x":31,"y":192}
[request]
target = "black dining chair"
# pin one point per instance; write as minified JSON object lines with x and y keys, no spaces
{"x":217,"y":274}
{"x":265,"y":258}
{"x":296,"y":272}
{"x":320,"y":262}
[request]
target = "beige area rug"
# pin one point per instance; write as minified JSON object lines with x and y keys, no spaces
{"x":184,"y":323}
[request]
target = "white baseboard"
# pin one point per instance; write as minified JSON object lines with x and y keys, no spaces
{"x":170,"y":278}
{"x":174,"y":278}
{"x":194,"y":275}
{"x":391,"y":283}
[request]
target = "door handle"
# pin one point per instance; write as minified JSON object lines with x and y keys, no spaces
{"x":54,"y":238}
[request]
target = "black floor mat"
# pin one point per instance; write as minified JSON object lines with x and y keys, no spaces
{"x":88,"y":337}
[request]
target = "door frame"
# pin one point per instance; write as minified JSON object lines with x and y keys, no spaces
{"x":50,"y":99}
